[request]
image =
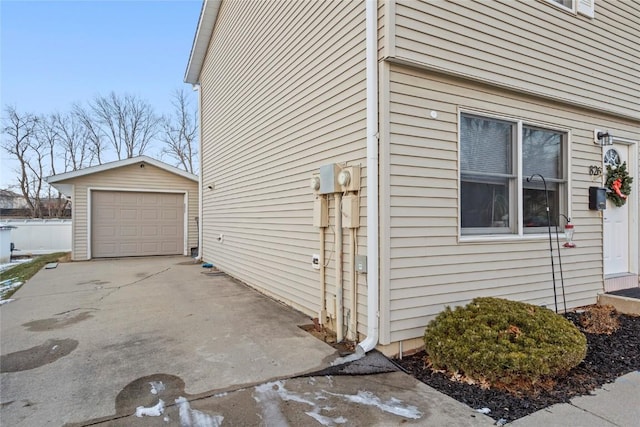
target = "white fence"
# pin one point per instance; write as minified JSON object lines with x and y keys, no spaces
{"x":40,"y":236}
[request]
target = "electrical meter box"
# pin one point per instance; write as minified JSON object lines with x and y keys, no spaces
{"x":349,"y":178}
{"x":597,"y":198}
{"x":320,"y":212}
{"x":329,"y":179}
{"x":350,"y":211}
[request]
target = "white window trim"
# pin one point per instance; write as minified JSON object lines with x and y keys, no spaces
{"x":571,"y":9}
{"x":578,"y":7}
{"x":520,"y":234}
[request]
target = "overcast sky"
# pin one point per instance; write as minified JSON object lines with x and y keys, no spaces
{"x":55,"y":53}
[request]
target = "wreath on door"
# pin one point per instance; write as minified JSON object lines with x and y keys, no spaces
{"x":618,"y":184}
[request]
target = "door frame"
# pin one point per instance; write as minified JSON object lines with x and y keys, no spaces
{"x":632,"y":168}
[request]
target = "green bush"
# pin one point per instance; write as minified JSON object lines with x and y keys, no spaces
{"x":503,"y":342}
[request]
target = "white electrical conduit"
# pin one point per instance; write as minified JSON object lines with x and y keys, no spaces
{"x":353,"y":318}
{"x":371,"y":341}
{"x":339,"y":281}
{"x":322,"y":315}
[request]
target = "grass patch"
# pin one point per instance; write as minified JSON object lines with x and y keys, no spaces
{"x":25,"y":271}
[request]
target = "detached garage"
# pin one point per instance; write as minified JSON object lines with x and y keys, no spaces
{"x":133,"y":207}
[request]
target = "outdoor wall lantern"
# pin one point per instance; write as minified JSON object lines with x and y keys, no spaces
{"x":602,"y":138}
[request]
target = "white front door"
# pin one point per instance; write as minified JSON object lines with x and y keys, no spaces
{"x":616,"y":220}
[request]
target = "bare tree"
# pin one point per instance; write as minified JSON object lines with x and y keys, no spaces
{"x":21,"y":140}
{"x":73,"y":141}
{"x":180,"y":132}
{"x":92,"y":132}
{"x":127,"y":122}
{"x":48,"y":141}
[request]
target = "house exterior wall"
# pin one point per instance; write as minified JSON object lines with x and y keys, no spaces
{"x":530,"y":61}
{"x":430,"y":265}
{"x":132,"y":178}
{"x":282,"y":93}
{"x":531,"y":46}
{"x":289,"y":96}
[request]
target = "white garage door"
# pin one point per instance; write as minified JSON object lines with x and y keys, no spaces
{"x":136,"y":224}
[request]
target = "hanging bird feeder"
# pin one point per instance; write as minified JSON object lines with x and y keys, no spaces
{"x":568,"y":234}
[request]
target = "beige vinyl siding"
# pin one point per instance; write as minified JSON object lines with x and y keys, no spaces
{"x":283,"y":93}
{"x":125,"y":178}
{"x":530,"y":46}
{"x":428,"y":266}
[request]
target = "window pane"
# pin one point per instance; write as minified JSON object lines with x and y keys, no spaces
{"x":485,"y":204}
{"x":534,"y":209}
{"x":485,"y":145}
{"x":542,"y":153}
{"x":565,"y":3}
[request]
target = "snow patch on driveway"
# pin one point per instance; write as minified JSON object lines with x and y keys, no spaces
{"x":154,"y":411}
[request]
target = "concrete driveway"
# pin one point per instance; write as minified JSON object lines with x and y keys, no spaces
{"x":77,"y":335}
{"x":156,"y":341}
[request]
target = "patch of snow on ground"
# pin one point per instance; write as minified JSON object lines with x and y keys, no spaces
{"x":270,"y":394}
{"x":267,"y":396}
{"x":8,"y":265}
{"x":324,"y":420}
{"x":156,"y":387}
{"x":5,"y":301}
{"x":194,"y":418}
{"x":392,"y":406}
{"x":154,"y":411}
{"x":7,"y":286}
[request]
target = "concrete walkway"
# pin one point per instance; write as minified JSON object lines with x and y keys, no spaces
{"x":100,"y":342}
{"x":615,"y":404}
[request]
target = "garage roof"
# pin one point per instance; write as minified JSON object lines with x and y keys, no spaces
{"x":58,"y":180}
{"x":208,"y":16}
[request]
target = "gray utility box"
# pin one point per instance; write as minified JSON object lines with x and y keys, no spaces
{"x":361,"y":263}
{"x":329,"y":179}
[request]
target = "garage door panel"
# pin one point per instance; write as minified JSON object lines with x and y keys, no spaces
{"x":104,"y":231}
{"x":150,"y":231}
{"x":169,"y":214}
{"x":137,"y":224}
{"x":128,"y":231}
{"x":128,"y":214}
{"x":168,"y":246}
{"x":169,"y":231}
{"x":105,"y":213}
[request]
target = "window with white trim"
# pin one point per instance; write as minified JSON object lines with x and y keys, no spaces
{"x":583,"y":7}
{"x":568,"y":4}
{"x":496,"y":158}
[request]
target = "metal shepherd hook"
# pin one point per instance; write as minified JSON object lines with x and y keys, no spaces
{"x":553,"y":269}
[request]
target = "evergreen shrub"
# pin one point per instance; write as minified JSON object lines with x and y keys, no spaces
{"x":502,"y":342}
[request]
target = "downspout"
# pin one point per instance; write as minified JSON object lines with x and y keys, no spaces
{"x":371,"y":340}
{"x":198,"y":88}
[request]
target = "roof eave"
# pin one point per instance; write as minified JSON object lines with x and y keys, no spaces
{"x":206,"y":24}
{"x":59,"y":178}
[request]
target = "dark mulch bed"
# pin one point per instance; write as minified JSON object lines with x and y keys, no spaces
{"x":608,"y":357}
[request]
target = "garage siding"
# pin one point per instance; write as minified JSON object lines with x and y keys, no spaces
{"x":130,"y":178}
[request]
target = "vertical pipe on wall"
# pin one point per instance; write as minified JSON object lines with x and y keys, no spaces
{"x":353,"y":312}
{"x":200,"y":227}
{"x":322,"y":315}
{"x":371,"y":13}
{"x":339,"y":281}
